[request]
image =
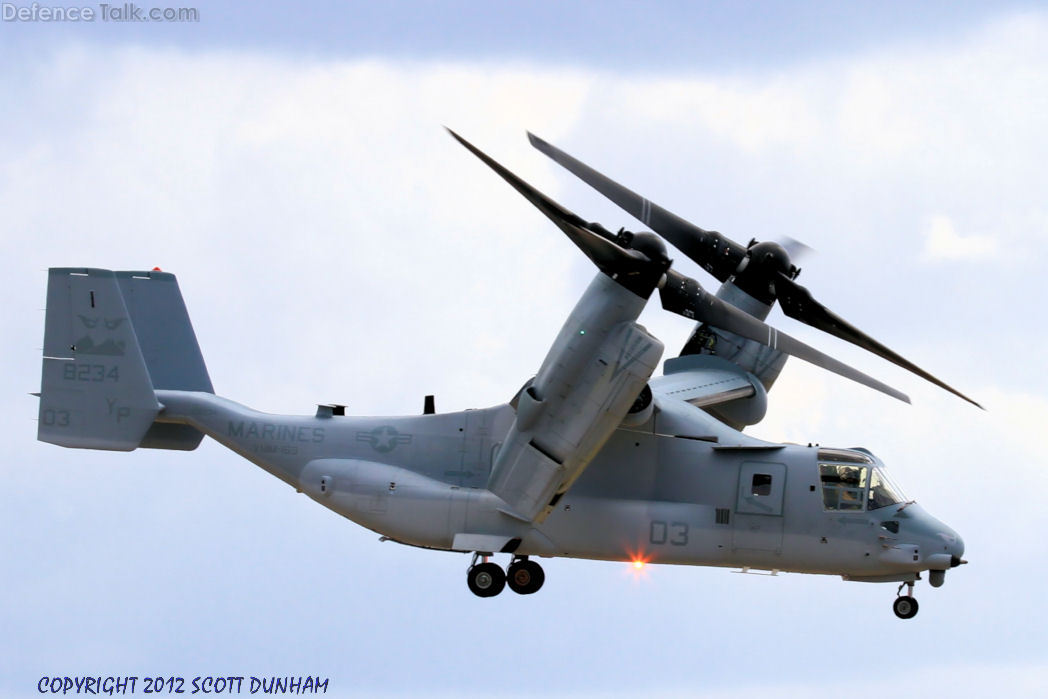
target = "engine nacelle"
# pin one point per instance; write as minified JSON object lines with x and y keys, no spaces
{"x":593,"y":374}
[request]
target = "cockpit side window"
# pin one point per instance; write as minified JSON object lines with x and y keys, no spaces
{"x":843,"y":486}
{"x":882,"y":491}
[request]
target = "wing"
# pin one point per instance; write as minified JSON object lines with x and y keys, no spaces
{"x":704,"y":381}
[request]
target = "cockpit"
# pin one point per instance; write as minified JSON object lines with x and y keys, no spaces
{"x":852,"y":481}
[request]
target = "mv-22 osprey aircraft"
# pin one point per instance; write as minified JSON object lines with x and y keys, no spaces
{"x":593,"y":458}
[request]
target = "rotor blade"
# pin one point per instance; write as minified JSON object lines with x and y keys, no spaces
{"x":721,"y":257}
{"x":684,"y":296}
{"x":717,"y":254}
{"x":797,"y":302}
{"x":630,"y":268}
{"x":794,"y":248}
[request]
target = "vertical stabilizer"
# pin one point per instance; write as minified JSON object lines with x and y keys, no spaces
{"x":95,"y":388}
{"x":165,"y":334}
{"x":169,"y":347}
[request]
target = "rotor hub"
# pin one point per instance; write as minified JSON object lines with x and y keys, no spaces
{"x":763,"y":264}
{"x":651,"y":245}
{"x":770,"y":257}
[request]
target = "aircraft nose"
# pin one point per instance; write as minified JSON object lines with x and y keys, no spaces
{"x":953,"y":544}
{"x":956,"y":551}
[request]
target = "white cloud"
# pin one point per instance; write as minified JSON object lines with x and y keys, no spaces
{"x":942,"y":242}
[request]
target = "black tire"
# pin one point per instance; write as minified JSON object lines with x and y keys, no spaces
{"x":485,"y":580}
{"x":905,"y":607}
{"x":525,"y":577}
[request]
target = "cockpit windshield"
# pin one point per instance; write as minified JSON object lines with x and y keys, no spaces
{"x":883,"y":491}
{"x":853,"y":481}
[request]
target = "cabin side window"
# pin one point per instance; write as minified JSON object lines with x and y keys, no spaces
{"x":843,"y":486}
{"x":761,"y":484}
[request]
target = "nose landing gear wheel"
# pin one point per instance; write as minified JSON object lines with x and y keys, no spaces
{"x":525,"y":577}
{"x":905,"y":607}
{"x":485,"y":580}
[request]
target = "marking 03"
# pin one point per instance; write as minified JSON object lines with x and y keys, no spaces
{"x":56,"y":418}
{"x":673,"y":533}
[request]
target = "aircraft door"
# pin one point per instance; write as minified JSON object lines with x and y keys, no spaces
{"x":758,"y":509}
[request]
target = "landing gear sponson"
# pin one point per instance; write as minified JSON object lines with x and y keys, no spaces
{"x":486,"y":579}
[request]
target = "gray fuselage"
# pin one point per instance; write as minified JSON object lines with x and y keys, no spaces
{"x":679,"y":488}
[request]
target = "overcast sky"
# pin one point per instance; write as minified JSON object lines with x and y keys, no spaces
{"x":334,"y":244}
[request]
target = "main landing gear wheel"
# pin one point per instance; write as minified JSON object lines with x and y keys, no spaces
{"x":905,"y":607}
{"x":485,"y":579}
{"x":525,"y":577}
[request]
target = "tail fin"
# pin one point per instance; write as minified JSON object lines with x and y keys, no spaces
{"x":110,"y":340}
